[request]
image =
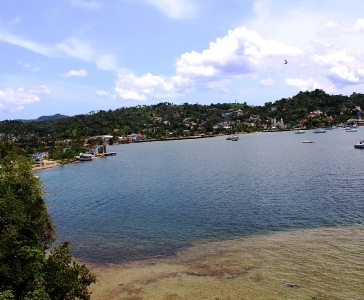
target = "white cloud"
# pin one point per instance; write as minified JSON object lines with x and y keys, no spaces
{"x":343,"y":68}
{"x":101,"y":93}
{"x":303,"y":85}
{"x":267,"y":82}
{"x":336,"y":28}
{"x":359,"y":25}
{"x":75,"y":48}
{"x":242,"y":51}
{"x":13,"y":100}
{"x":93,"y":5}
{"x":22,"y":42}
{"x":180,"y":9}
{"x":107,"y":62}
{"x":130,"y":87}
{"x":75,"y":73}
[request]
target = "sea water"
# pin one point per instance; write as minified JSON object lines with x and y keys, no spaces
{"x":155,"y":198}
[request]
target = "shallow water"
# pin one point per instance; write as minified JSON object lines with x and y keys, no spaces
{"x":305,"y":264}
{"x":153,"y":199}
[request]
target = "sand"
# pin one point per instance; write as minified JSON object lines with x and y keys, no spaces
{"x":45,"y":164}
{"x":307,"y":264}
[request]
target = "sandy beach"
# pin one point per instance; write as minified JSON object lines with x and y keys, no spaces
{"x":307,"y":264}
{"x":45,"y":164}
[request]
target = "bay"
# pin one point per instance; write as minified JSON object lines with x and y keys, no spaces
{"x":153,"y":199}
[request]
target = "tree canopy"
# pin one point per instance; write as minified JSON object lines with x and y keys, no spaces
{"x":26,"y":233}
{"x":167,"y":119}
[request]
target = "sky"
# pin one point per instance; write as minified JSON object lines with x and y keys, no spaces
{"x":77,"y":56}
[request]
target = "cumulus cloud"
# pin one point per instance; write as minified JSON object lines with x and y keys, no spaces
{"x":176,"y":8}
{"x":75,"y":73}
{"x":303,"y":85}
{"x":131,"y":87}
{"x":242,"y":51}
{"x":13,"y":100}
{"x":335,"y":28}
{"x":359,"y":25}
{"x":343,"y":68}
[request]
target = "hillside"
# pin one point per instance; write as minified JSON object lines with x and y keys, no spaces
{"x":308,"y":109}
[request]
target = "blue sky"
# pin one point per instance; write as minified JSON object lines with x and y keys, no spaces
{"x":76,"y":56}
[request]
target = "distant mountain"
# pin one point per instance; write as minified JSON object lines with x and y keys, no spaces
{"x":51,"y":118}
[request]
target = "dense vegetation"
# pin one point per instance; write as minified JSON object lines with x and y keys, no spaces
{"x":26,"y":233}
{"x":169,"y":120}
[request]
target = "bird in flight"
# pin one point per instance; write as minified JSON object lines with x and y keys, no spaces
{"x":285,"y":62}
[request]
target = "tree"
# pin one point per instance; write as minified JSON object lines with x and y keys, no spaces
{"x":26,"y":232}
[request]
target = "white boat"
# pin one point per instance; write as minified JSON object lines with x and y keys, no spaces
{"x":229,"y":138}
{"x":351,"y":130}
{"x":84,"y":157}
{"x":307,"y":142}
{"x":359,"y":145}
{"x":299,"y":131}
{"x":235,"y":138}
{"x":319,"y":130}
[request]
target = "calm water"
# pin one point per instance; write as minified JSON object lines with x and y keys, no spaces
{"x":154,"y":198}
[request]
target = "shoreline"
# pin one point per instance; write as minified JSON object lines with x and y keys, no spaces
{"x":321,"y":263}
{"x":46,"y":164}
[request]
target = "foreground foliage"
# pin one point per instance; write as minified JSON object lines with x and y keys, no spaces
{"x":26,"y":232}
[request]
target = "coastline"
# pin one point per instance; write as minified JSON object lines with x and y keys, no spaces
{"x":46,"y":164}
{"x":322,"y":263}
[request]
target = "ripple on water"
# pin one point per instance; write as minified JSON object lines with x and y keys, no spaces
{"x":155,"y":198}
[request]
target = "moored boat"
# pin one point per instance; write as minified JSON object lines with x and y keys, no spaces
{"x":359,"y":145}
{"x":319,"y":130}
{"x":299,"y":131}
{"x":84,"y":157}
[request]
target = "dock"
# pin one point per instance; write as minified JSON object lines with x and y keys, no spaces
{"x":109,"y":153}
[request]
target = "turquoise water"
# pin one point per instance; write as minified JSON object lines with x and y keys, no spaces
{"x":153,"y":199}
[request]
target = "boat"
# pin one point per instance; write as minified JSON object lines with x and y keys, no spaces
{"x":38,"y":160}
{"x":84,"y":157}
{"x":307,"y":142}
{"x":235,"y":138}
{"x":319,"y":130}
{"x":299,"y":131}
{"x":351,"y":130}
{"x":359,"y":145}
{"x":229,"y":138}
